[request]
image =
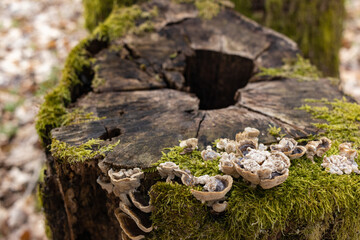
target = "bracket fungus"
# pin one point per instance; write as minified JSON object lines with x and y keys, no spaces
{"x":289,"y":147}
{"x":317,"y":148}
{"x":248,"y":133}
{"x":215,"y":189}
{"x":133,"y":212}
{"x":226,"y":164}
{"x":263,"y":168}
{"x":209,"y":154}
{"x":167,"y":170}
{"x":189,"y":145}
{"x":344,"y":163}
{"x":348,"y":152}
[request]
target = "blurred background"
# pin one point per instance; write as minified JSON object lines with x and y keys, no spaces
{"x":35,"y":38}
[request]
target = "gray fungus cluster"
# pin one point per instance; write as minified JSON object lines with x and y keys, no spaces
{"x":243,"y":157}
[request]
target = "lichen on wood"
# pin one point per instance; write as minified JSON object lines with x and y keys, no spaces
{"x":316,"y":26}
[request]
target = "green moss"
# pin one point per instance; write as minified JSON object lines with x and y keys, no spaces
{"x":92,"y":149}
{"x":315,"y":25}
{"x":77,"y":116}
{"x":191,"y":161}
{"x":207,"y":8}
{"x":274,"y":131}
{"x":299,"y":68}
{"x":53,"y":111}
{"x":342,"y":120}
{"x":310,"y":204}
{"x":40,"y":199}
{"x":96,"y":11}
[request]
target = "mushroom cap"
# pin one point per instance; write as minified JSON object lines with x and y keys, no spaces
{"x":298,"y":152}
{"x":214,"y":196}
{"x":209,"y":154}
{"x":227,"y":165}
{"x":104,"y":185}
{"x":247,"y":175}
{"x":347,"y":151}
{"x":324,"y":146}
{"x":231,"y":147}
{"x":128,"y":226}
{"x":286,"y":145}
{"x":123,"y":184}
{"x":166,"y":169}
{"x":273,"y":182}
{"x":137,"y":203}
{"x":248,"y":133}
{"x":132,"y":213}
{"x":221,"y":144}
{"x":189,"y":143}
{"x":243,"y":145}
{"x":219,"y":207}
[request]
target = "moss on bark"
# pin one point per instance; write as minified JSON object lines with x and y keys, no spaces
{"x":310,"y":204}
{"x":315,"y":25}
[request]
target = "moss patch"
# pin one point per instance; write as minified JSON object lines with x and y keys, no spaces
{"x":96,"y":11}
{"x":77,"y":116}
{"x":191,"y":161}
{"x":299,"y":68}
{"x":274,"y":131}
{"x":92,"y":149}
{"x":78,"y":73}
{"x":310,"y":204}
{"x":342,"y":121}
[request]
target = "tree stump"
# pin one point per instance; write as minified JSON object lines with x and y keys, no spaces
{"x":189,"y":77}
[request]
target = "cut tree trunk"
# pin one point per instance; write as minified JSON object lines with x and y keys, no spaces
{"x":189,"y":78}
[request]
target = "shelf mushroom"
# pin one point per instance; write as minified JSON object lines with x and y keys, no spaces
{"x":215,"y":189}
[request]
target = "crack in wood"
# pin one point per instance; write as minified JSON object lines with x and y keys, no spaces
{"x":199,"y":126}
{"x":277,"y":120}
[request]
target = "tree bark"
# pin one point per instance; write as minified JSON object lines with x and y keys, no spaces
{"x":188,"y":78}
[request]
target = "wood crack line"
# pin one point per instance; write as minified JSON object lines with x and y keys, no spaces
{"x":199,"y":126}
{"x":276,"y":119}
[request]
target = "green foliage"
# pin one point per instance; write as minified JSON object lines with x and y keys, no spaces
{"x":92,"y":149}
{"x":191,"y":161}
{"x":299,"y":68}
{"x":316,"y":26}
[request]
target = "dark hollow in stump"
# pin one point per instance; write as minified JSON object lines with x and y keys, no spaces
{"x":188,"y":78}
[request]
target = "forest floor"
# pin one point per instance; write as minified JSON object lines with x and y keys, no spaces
{"x":35,"y":38}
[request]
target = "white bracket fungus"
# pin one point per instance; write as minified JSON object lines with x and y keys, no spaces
{"x":317,"y":148}
{"x":342,"y":163}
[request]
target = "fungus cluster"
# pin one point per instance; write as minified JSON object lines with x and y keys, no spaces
{"x":317,"y":148}
{"x":243,"y":157}
{"x":132,"y":213}
{"x":344,"y":163}
{"x":214,"y":189}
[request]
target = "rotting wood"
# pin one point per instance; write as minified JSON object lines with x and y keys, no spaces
{"x":168,"y":85}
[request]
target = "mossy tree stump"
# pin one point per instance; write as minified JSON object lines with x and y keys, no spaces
{"x":187,"y":77}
